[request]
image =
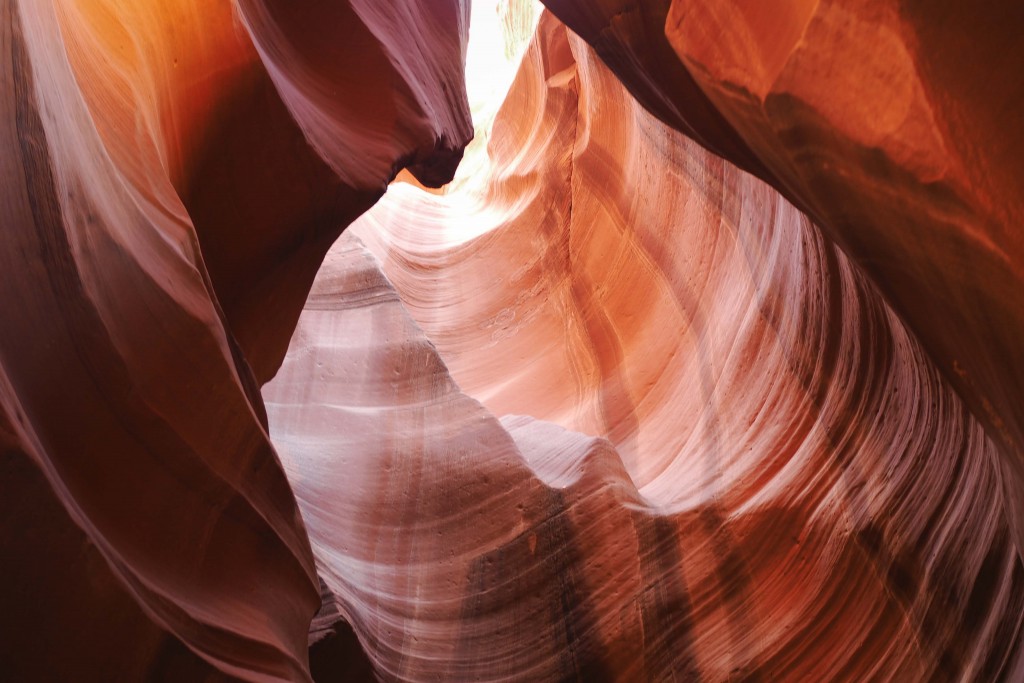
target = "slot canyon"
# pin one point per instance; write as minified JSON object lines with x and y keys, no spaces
{"x":574,"y":340}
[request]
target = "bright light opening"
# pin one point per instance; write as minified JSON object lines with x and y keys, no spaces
{"x":499,"y":33}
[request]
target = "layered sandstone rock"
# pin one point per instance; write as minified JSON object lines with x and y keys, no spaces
{"x":170,"y":187}
{"x":705,"y":447}
{"x":898,"y":126}
{"x":606,"y":407}
{"x":895,"y":125}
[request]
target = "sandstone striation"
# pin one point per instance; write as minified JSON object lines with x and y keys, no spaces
{"x":701,"y":365}
{"x":896,"y":126}
{"x":164,"y":215}
{"x":923,"y":187}
{"x":705,"y":448}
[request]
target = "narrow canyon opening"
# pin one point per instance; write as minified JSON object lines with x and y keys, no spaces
{"x":535,"y":419}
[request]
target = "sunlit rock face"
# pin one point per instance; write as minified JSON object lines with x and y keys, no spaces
{"x":922,"y":187}
{"x":896,"y":125}
{"x":173,"y":173}
{"x":614,"y":409}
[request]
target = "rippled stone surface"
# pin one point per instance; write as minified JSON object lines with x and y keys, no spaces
{"x":604,"y":407}
{"x":704,"y":447}
{"x":163,"y":217}
{"x":896,"y":125}
{"x":899,"y":149}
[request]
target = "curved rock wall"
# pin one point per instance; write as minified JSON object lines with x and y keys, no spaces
{"x":720,"y":453}
{"x":895,"y":125}
{"x":163,"y":218}
{"x":923,"y":186}
{"x":605,"y":408}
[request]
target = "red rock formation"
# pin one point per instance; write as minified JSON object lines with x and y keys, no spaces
{"x":908,"y":148}
{"x":605,"y":408}
{"x":895,"y":125}
{"x":720,"y":453}
{"x":629,"y":36}
{"x":163,"y":219}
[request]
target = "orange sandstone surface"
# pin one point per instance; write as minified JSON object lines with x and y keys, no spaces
{"x":702,"y":365}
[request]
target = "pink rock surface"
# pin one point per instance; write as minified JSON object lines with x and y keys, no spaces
{"x":720,"y":453}
{"x":606,"y":407}
{"x":895,"y":125}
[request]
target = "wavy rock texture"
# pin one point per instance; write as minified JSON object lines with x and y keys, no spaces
{"x":895,"y":125}
{"x":720,"y":453}
{"x":605,"y":408}
{"x":172,"y":179}
{"x":924,"y":188}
